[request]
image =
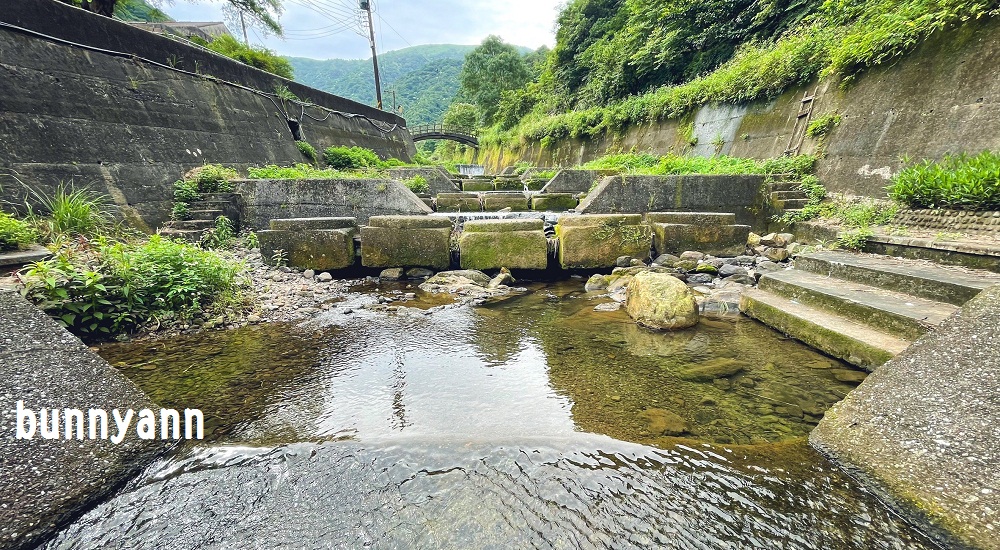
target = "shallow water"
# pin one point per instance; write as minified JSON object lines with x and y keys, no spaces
{"x":533,"y":422}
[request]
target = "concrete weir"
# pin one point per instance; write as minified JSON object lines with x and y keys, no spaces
{"x":922,"y":430}
{"x":46,"y":482}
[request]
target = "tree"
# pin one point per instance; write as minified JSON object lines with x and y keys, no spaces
{"x":463,"y":116}
{"x":491,"y":69}
{"x":262,"y":13}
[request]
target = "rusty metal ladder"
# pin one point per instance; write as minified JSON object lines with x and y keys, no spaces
{"x":802,"y":121}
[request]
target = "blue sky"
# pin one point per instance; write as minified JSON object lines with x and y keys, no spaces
{"x":324,"y":29}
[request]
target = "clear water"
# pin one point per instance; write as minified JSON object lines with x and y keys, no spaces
{"x":534,"y":422}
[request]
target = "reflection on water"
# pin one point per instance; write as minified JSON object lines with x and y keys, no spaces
{"x":531,"y":422}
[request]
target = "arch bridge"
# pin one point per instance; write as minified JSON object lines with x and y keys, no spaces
{"x":441,"y":131}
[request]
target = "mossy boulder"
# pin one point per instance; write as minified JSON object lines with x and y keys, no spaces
{"x":595,"y":241}
{"x":494,"y":244}
{"x":555,"y":202}
{"x":660,"y":301}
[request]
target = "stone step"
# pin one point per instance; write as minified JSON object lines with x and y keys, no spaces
{"x":791,"y":185}
{"x":204,"y":214}
{"x":209,"y":205}
{"x":908,"y":316}
{"x":190,"y":235}
{"x":788,"y":195}
{"x":789,"y":204}
{"x":951,"y":285}
{"x":193,"y":225}
{"x":858,"y":344}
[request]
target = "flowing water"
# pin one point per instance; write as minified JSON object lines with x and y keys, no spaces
{"x":532,"y":422}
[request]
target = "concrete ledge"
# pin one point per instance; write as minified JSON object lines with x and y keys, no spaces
{"x":46,"y":483}
{"x":304,"y":224}
{"x":972,"y":254}
{"x":517,"y":202}
{"x":591,"y":242}
{"x":503,"y":226}
{"x":411,"y":222}
{"x":477,"y":185}
{"x":717,"y":240}
{"x":694,"y":218}
{"x":574,"y":181}
{"x":505,"y":184}
{"x":35,"y":253}
{"x":504,"y":248}
{"x":556,"y":202}
{"x":459,"y":202}
{"x":317,"y":249}
{"x":922,"y":430}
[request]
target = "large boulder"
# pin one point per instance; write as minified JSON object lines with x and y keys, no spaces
{"x":661,"y":301}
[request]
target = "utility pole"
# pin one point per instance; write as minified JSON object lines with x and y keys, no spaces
{"x":243,"y":22}
{"x":366,"y":6}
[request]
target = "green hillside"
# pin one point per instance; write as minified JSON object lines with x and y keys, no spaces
{"x":425,"y":78}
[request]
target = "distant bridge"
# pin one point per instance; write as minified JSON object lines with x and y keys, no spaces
{"x":440,"y":131}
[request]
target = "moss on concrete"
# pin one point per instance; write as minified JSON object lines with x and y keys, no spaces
{"x":590,"y":242}
{"x":411,"y":222}
{"x":477,"y":185}
{"x":304,"y":224}
{"x":554,"y":202}
{"x":459,"y":202}
{"x":503,"y":226}
{"x":318,"y":249}
{"x":717,"y":240}
{"x":512,"y":249}
{"x":494,"y":202}
{"x":508,"y":184}
{"x":405,"y":247}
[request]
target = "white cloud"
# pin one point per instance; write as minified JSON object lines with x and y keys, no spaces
{"x":522,"y":22}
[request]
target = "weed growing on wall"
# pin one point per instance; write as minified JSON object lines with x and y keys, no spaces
{"x":417,"y":184}
{"x":307,"y":150}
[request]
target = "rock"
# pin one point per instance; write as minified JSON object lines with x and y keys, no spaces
{"x":753,"y":240}
{"x":686,"y":265}
{"x":850,"y":376}
{"x":729,"y":270}
{"x":596,"y":282}
{"x":253,"y":318}
{"x":477,"y":277}
{"x":700,"y":279}
{"x":324,"y":277}
{"x":767,"y":266}
{"x":504,"y":278}
{"x":661,"y":301}
{"x":391,"y":274}
{"x":744,"y":260}
{"x":769,"y":240}
{"x":776,"y":254}
{"x":785,"y":238}
{"x":692,"y":255}
{"x":716,"y":368}
{"x":662,"y":421}
{"x":617,"y":288}
{"x":623,"y":261}
{"x":410,"y":296}
{"x":637,"y":263}
{"x":722,"y":304}
{"x":794,"y":248}
{"x":704,"y":267}
{"x":742,"y":279}
{"x":666,"y":259}
{"x":419,"y":273}
{"x":608,"y":306}
{"x":285,"y":269}
{"x":309,"y":274}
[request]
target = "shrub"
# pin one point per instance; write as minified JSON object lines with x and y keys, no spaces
{"x":307,"y":150}
{"x":180,"y":211}
{"x":823,"y":125}
{"x":956,"y":181}
{"x":14,"y":233}
{"x":261,"y":58}
{"x":185,"y":191}
{"x":349,"y":158}
{"x":99,"y":289}
{"x":417,"y":184}
{"x":212,"y":178}
{"x":220,"y":236}
{"x":645,"y":163}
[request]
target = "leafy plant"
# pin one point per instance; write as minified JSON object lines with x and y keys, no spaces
{"x":417,"y":184}
{"x":307,"y":150}
{"x":180,"y":211}
{"x":14,"y":233}
{"x":212,"y":178}
{"x":956,"y":181}
{"x":854,"y":239}
{"x":220,"y":236}
{"x":822,"y":125}
{"x":251,"y":241}
{"x":185,"y":191}
{"x":348,"y":158}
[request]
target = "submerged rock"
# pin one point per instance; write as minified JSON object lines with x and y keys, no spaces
{"x":596,"y":282}
{"x":661,"y":301}
{"x":391,"y":274}
{"x":712,"y":370}
{"x":662,"y":421}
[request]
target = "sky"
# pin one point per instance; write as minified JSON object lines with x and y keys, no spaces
{"x":323,"y":29}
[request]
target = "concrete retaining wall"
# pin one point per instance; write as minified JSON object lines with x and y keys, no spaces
{"x":944,"y":97}
{"x":129,"y":128}
{"x":46,"y":483}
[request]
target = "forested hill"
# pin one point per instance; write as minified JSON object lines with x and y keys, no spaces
{"x":425,"y":78}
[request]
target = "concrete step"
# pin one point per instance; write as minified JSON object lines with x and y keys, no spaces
{"x":788,"y":195}
{"x":951,"y":285}
{"x":856,"y":343}
{"x":209,"y":205}
{"x":902,"y":314}
{"x":190,"y":235}
{"x":789,"y":204}
{"x":204,"y":214}
{"x":791,"y":185}
{"x":193,"y":225}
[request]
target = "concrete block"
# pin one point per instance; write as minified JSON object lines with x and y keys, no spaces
{"x":555,"y":202}
{"x":484,"y":250}
{"x":508,"y":184}
{"x":493,"y":202}
{"x":305,"y":224}
{"x":695,"y":218}
{"x":717,"y":240}
{"x":317,"y":249}
{"x":590,"y":242}
{"x":406,"y":241}
{"x":459,"y":202}
{"x":574,"y":181}
{"x":437,"y":180}
{"x":477,"y":185}
{"x":503,"y":226}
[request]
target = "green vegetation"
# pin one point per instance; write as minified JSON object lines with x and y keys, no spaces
{"x":100,"y":288}
{"x":620,"y":63}
{"x":307,"y":150}
{"x":645,"y":163}
{"x":957,"y":181}
{"x":417,"y":184}
{"x":68,"y":213}
{"x":822,"y":125}
{"x":211,"y":178}
{"x":14,"y":233}
{"x":351,"y":158}
{"x":221,"y":236}
{"x":491,"y":70}
{"x":259,"y":57}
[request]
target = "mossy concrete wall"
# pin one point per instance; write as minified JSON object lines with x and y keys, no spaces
{"x":922,"y":430}
{"x":265,"y":200}
{"x":129,"y":128}
{"x":943,"y":97}
{"x":494,"y":244}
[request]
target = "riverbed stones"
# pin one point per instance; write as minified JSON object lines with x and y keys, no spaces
{"x":711,"y":370}
{"x":661,"y":301}
{"x":310,"y":243}
{"x":406,"y":241}
{"x":511,"y":244}
{"x":391,"y":274}
{"x":595,"y":241}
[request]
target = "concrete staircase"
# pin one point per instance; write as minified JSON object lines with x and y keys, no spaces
{"x":861,"y":308}
{"x":202,"y":215}
{"x":786,"y":195}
